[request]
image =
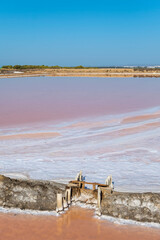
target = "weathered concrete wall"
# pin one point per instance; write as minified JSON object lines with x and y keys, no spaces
{"x":144,"y":207}
{"x":42,"y":195}
{"x":29,"y":194}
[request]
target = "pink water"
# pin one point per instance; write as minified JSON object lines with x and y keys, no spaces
{"x":51,"y":128}
{"x":75,"y":224}
{"x":24,"y":100}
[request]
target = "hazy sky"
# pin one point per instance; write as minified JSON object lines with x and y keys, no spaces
{"x":89,"y":33}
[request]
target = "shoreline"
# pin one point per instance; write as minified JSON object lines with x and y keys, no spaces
{"x":91,"y":72}
{"x":157,"y":75}
{"x":79,"y":206}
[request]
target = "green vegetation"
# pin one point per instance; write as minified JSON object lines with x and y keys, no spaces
{"x":28,"y":67}
{"x":147,"y":69}
{"x":22,"y":67}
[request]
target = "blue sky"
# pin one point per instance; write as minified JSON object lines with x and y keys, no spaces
{"x":89,"y":33}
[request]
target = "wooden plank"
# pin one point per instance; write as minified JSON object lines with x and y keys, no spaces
{"x":91,"y":183}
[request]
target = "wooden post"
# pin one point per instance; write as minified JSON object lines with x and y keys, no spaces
{"x":99,"y":198}
{"x":98,"y":212}
{"x":59,"y":202}
{"x":66,"y":195}
{"x":65,"y":204}
{"x":109,"y":181}
{"x":69,"y":196}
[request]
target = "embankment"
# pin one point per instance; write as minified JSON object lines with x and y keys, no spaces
{"x":143,"y":207}
{"x":80,"y":72}
{"x":29,"y":194}
{"x":42,"y":195}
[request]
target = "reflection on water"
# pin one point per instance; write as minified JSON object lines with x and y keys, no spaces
{"x":74,"y":224}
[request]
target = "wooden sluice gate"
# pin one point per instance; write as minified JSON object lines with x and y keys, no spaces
{"x":76,"y":188}
{"x":81,"y":184}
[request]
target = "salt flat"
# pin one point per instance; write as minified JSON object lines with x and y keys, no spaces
{"x":91,"y":126}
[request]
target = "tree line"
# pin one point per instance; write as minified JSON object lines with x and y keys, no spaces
{"x":142,"y":69}
{"x":22,"y":67}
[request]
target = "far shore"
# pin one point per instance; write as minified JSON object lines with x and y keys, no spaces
{"x":82,"y":72}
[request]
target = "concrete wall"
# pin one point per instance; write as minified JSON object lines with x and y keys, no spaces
{"x":144,"y":207}
{"x":42,"y":195}
{"x":29,"y":194}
